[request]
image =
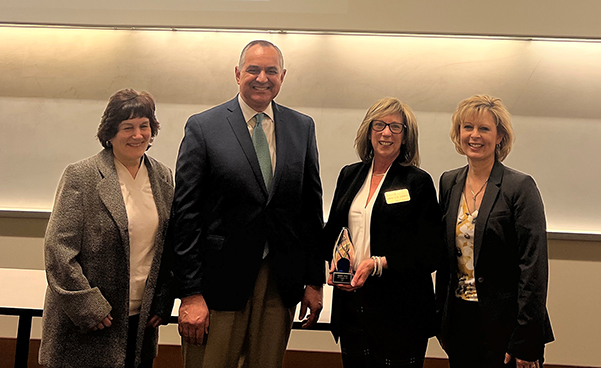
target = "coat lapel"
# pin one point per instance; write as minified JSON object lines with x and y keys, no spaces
{"x":238,"y":125}
{"x":490,"y":196}
{"x":160,"y":187}
{"x":162,"y":190}
{"x":109,"y":191}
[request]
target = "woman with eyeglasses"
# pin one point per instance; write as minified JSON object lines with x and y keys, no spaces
{"x":493,"y":293}
{"x":386,"y":314}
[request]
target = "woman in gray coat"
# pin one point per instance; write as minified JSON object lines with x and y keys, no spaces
{"x":107,"y":281}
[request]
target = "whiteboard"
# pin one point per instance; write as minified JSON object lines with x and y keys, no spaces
{"x":54,"y":84}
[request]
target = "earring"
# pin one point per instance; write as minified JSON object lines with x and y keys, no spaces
{"x":108,"y":144}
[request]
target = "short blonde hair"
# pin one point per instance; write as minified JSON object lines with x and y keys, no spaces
{"x":386,"y":106}
{"x":478,"y":104}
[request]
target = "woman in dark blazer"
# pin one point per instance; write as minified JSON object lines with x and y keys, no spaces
{"x":107,"y":288}
{"x":493,"y":295}
{"x":386,"y":315}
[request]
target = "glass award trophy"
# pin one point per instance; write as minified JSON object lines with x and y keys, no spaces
{"x":344,"y":253}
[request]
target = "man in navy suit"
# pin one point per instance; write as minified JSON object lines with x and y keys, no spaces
{"x":244,"y":223}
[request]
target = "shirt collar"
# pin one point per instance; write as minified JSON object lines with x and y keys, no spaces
{"x":124,"y":174}
{"x":249,"y":113}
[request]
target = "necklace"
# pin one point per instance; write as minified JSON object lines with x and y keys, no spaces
{"x":373,"y":173}
{"x":474,"y":195}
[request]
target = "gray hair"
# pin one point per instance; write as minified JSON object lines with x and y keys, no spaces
{"x":263,"y":43}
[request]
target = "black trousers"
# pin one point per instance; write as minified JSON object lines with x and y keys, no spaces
{"x":469,"y":344}
{"x":130,"y":355}
{"x":370,"y":339}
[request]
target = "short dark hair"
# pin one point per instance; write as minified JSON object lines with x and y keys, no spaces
{"x":123,"y":105}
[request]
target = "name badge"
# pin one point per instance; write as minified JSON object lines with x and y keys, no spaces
{"x":397,"y":196}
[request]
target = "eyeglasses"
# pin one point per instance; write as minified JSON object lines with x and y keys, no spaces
{"x":396,"y":128}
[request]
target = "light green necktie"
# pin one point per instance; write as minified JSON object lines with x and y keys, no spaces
{"x":262,"y":150}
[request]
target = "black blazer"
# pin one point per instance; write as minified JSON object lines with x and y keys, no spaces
{"x":408,"y":233}
{"x":510,"y":259}
{"x":223,"y":214}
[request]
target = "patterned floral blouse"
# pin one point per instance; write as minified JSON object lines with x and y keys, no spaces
{"x":464,"y":242}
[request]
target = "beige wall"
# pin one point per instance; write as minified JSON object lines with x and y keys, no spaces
{"x":54,"y":84}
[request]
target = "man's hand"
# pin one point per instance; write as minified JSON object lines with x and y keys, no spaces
{"x":193,"y":321}
{"x":332,"y":269}
{"x":154,"y":321}
{"x":313,"y":299}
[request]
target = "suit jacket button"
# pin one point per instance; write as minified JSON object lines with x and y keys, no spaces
{"x":481,"y":279}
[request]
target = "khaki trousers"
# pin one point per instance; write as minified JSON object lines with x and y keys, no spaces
{"x":254,"y":337}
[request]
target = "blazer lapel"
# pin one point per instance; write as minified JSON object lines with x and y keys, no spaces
{"x":238,"y":125}
{"x":281,"y":137}
{"x":353,"y":189}
{"x":392,"y":182}
{"x":451,"y":215}
{"x":109,"y":191}
{"x":490,"y":196}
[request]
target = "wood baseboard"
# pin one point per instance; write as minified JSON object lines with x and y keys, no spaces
{"x":7,"y":353}
{"x":170,"y":357}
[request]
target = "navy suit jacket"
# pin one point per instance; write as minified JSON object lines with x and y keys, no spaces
{"x":223,"y":215}
{"x":510,"y":259}
{"x":409,"y":234}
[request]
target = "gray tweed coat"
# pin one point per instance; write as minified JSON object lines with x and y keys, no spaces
{"x":87,"y":266}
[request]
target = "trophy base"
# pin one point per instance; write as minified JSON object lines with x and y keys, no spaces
{"x":344,"y":278}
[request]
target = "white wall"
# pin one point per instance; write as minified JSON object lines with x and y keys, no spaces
{"x":54,"y":84}
{"x":559,"y":18}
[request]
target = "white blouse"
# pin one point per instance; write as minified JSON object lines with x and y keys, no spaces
{"x":359,"y":219}
{"x":142,"y":224}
